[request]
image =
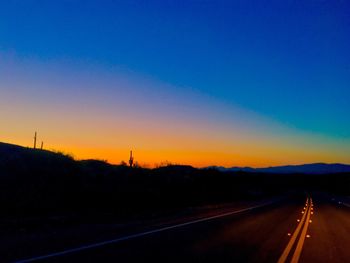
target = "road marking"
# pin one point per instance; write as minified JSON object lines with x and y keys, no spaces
{"x":341,"y":203}
{"x":300,"y":244}
{"x":291,"y":242}
{"x":344,"y":204}
{"x":120,"y":239}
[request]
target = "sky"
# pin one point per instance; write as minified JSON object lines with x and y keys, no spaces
{"x":227,"y":83}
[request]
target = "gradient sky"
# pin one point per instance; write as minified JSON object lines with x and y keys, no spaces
{"x":232,"y":83}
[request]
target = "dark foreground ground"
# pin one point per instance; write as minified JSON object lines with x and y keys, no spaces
{"x":259,"y":234}
{"x":57,"y":209}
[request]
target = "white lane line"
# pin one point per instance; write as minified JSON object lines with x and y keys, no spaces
{"x":299,"y":248}
{"x":291,"y":242}
{"x":340,"y":202}
{"x":345,"y":204}
{"x":95,"y":245}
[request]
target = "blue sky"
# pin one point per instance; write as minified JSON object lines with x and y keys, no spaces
{"x":286,"y":60}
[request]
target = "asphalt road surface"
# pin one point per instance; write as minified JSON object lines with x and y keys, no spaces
{"x":309,"y":229}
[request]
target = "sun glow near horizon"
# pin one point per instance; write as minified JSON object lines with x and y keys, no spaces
{"x":160,"y":122}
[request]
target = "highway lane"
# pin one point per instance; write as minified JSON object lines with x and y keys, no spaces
{"x":46,"y":237}
{"x":254,"y":236}
{"x":258,"y":235}
{"x":329,"y":232}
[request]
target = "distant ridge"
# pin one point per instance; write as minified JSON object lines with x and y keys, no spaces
{"x":313,"y":168}
{"x":25,"y":155}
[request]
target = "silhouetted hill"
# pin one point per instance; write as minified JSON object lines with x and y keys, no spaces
{"x":41,"y":183}
{"x":314,"y":168}
{"x":16,"y":159}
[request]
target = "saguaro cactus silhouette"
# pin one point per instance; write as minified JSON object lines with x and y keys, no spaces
{"x":42,"y":145}
{"x":131,"y":160}
{"x":35,"y":140}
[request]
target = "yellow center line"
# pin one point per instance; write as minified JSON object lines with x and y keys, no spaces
{"x":291,"y":242}
{"x":300,"y":244}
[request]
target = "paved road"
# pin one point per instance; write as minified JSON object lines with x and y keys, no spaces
{"x":314,"y":229}
{"x":329,"y":232}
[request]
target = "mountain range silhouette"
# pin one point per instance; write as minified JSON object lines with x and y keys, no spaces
{"x":313,"y":168}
